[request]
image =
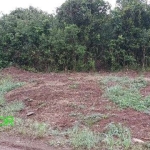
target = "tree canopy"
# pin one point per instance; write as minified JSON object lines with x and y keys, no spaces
{"x":83,"y":35}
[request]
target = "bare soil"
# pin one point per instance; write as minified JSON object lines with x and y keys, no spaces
{"x":56,"y":96}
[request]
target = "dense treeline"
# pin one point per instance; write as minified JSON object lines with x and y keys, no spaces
{"x":83,"y":35}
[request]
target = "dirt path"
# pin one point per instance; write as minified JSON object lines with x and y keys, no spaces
{"x":10,"y":142}
{"x":58,"y":99}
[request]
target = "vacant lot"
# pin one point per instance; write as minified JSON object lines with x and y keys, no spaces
{"x":99,"y":111}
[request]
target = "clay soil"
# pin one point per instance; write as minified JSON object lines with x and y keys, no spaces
{"x":55,"y":97}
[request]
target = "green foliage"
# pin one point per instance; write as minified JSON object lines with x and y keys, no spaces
{"x":117,"y":136}
{"x":126,"y":92}
{"x":84,"y":35}
{"x":6,"y":85}
{"x":83,"y":138}
{"x":31,"y":128}
{"x":129,"y":45}
{"x":12,"y":108}
{"x":92,"y":119}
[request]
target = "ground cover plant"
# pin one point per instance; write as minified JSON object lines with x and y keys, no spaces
{"x":125,"y":92}
{"x":7,"y":84}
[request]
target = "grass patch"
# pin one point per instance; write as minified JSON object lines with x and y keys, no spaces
{"x":7,"y":84}
{"x":91,"y":119}
{"x":8,"y":109}
{"x":11,"y":108}
{"x":117,"y":137}
{"x":31,"y":128}
{"x":126,"y":92}
{"x":2,"y":100}
{"x":83,"y":138}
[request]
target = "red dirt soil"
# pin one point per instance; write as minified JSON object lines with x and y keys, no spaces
{"x":55,"y":96}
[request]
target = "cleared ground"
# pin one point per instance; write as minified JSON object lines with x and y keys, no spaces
{"x":64,"y":100}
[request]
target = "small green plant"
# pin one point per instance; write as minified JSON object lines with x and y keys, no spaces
{"x":11,"y":108}
{"x":8,"y":109}
{"x":7,"y":84}
{"x":117,"y":136}
{"x":93,"y":118}
{"x":31,"y":128}
{"x":83,"y":138}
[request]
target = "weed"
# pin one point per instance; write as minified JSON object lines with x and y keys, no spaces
{"x":2,"y":101}
{"x":126,"y":92}
{"x":11,"y":108}
{"x":8,"y":109}
{"x":125,"y":97}
{"x":7,"y":85}
{"x":83,"y":138}
{"x":31,"y":128}
{"x":117,"y":136}
{"x":93,"y":118}
{"x":125,"y":81}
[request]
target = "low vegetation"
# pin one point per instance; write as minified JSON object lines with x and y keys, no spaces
{"x":30,"y":128}
{"x":116,"y":136}
{"x":83,"y":138}
{"x":125,"y":92}
{"x":6,"y":109}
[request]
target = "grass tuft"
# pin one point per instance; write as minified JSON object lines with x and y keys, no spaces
{"x":117,"y":137}
{"x":83,"y":138}
{"x":31,"y":128}
{"x":7,"y":84}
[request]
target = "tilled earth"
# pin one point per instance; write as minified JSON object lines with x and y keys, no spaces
{"x":57,"y":98}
